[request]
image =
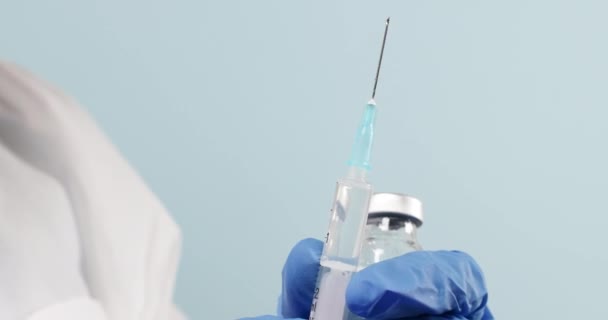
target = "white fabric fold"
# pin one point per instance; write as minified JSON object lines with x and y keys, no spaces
{"x":129,"y":243}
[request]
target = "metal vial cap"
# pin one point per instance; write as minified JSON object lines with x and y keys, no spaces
{"x":396,"y":204}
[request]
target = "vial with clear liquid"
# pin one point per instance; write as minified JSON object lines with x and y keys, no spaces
{"x":392,"y":224}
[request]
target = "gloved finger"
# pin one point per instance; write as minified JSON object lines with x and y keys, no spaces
{"x":487,"y":314}
{"x":419,"y":284}
{"x":299,"y":278}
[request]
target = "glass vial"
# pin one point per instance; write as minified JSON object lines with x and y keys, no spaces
{"x":392,"y":224}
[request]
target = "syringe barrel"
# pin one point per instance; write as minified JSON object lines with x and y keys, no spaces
{"x":344,"y":238}
{"x":342,"y":247}
{"x":348,"y":218}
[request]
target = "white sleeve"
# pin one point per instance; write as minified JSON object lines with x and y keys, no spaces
{"x":176,"y":314}
{"x":76,"y":309}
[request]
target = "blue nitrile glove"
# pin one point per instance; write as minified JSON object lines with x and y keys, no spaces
{"x":423,"y":285}
{"x":299,"y":280}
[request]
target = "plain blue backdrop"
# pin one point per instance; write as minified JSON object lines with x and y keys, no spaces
{"x":240,"y":115}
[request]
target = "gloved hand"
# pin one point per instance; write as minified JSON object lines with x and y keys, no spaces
{"x":423,"y":285}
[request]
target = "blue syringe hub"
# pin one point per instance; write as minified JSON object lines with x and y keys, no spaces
{"x":362,"y":146}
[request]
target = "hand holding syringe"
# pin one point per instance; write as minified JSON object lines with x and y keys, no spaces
{"x":348,"y":217}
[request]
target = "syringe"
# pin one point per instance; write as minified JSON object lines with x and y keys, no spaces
{"x":348,"y":218}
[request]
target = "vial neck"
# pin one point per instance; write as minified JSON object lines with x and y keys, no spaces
{"x":395,"y":225}
{"x":392,"y":219}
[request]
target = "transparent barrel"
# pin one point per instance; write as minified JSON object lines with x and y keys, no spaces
{"x":342,"y":247}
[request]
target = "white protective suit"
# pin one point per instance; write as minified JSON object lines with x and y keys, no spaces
{"x":81,"y":236}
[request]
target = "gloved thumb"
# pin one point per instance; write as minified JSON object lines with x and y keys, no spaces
{"x":299,"y":278}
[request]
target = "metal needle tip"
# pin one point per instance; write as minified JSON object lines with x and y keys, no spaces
{"x":388,"y":20}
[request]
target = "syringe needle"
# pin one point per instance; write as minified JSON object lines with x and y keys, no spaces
{"x":362,"y":147}
{"x":341,"y":251}
{"x":388,"y":20}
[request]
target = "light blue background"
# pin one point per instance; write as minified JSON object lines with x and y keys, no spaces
{"x":240,"y":114}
